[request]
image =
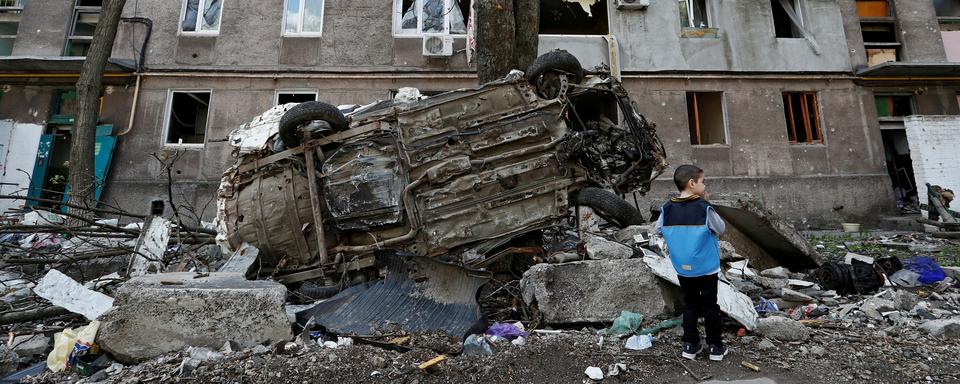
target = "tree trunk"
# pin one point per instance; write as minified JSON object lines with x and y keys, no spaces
{"x":527,"y":16}
{"x":83,"y":136}
{"x":495,"y":39}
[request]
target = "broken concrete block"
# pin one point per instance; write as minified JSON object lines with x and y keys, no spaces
{"x":904,"y":300}
{"x":776,"y":273}
{"x":768,"y":282}
{"x":945,"y":328}
{"x":782,"y":328}
{"x":629,"y":234}
{"x":874,"y":306}
{"x":728,"y":252}
{"x":850,"y":257}
{"x":762,"y":236}
{"x":160,"y":313}
{"x":594,"y":290}
{"x":791,"y":295}
{"x":8,"y":360}
{"x":599,"y":248}
{"x":30,"y":345}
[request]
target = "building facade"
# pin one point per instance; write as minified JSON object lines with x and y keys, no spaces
{"x":770,"y":97}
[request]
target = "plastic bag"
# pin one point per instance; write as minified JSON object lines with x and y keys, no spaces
{"x":666,"y":324}
{"x":70,"y":344}
{"x":476,"y":345}
{"x":928,"y":269}
{"x":639,"y":343}
{"x":506,"y":330}
{"x":627,"y":323}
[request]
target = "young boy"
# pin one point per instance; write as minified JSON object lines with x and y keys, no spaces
{"x":690,"y":227}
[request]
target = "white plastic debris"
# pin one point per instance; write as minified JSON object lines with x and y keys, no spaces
{"x":41,"y":218}
{"x":850,"y":257}
{"x":241,"y":260}
{"x":204,"y":354}
{"x":639,"y":343}
{"x":519,"y":341}
{"x":594,"y":373}
{"x":616,"y":369}
{"x":800,"y":283}
{"x":151,"y":245}
{"x":344,"y":341}
{"x":330,"y":344}
{"x":102,"y":280}
{"x":110,"y":222}
{"x":64,"y":292}
{"x":740,"y":268}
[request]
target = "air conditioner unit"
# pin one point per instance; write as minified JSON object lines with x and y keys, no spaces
{"x":437,"y":45}
{"x":632,"y":4}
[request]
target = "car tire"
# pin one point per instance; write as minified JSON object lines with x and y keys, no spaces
{"x":306,"y":112}
{"x":610,"y":207}
{"x":554,"y":61}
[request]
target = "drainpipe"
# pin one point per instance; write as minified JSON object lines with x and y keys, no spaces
{"x":140,"y":66}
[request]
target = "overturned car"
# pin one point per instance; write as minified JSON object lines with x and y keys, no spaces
{"x":457,"y":176}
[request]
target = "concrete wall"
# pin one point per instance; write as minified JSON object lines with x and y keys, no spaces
{"x":919,"y":31}
{"x":933,"y":149}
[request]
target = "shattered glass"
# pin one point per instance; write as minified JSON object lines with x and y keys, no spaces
{"x":409,"y":20}
{"x":211,"y":15}
{"x":433,"y":17}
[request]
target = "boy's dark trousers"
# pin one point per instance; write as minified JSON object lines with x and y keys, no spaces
{"x":700,"y":300}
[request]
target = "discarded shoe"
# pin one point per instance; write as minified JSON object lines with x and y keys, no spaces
{"x":717,"y":352}
{"x":691,"y":350}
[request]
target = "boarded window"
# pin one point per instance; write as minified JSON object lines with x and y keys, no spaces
{"x":880,"y":41}
{"x":705,"y":117}
{"x":284,"y":97}
{"x":201,"y":16}
{"x":894,"y":105}
{"x":802,"y":113}
{"x":783,"y":25}
{"x":559,"y":17}
{"x":872,"y":8}
{"x":187,"y":117}
{"x":693,"y":14}
{"x":415,"y":17}
{"x":304,"y":17}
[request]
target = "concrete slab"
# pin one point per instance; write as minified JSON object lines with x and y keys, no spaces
{"x":159,"y":313}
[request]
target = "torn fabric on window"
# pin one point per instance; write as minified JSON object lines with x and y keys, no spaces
{"x":189,"y":23}
{"x":211,"y":16}
{"x":433,"y":17}
{"x":585,"y":4}
{"x":456,"y":18}
{"x":409,"y":20}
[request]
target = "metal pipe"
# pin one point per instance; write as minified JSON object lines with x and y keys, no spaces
{"x":315,"y":205}
{"x":414,"y":223}
{"x":133,"y":107}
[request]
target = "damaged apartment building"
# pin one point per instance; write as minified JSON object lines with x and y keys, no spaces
{"x":803,"y":103}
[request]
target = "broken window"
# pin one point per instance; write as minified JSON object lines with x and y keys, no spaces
{"x":784,"y":25}
{"x":206,"y":22}
{"x":693,"y":14}
{"x":802,"y":113}
{"x":562,"y":17}
{"x":880,"y":41}
{"x":303,"y":17}
{"x":8,"y":34}
{"x":705,"y":117}
{"x":894,"y":105}
{"x":416,"y":17}
{"x":187,"y":117}
{"x":284,"y":97}
{"x":947,"y":8}
{"x":12,"y":5}
{"x":81,"y":33}
{"x":89,"y":3}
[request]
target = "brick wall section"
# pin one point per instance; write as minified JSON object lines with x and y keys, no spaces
{"x":935,"y":150}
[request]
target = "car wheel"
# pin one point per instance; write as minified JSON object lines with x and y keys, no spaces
{"x":306,"y":112}
{"x":609,"y":206}
{"x":545,"y":70}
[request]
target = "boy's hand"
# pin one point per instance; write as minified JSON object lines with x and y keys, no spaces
{"x":706,"y":196}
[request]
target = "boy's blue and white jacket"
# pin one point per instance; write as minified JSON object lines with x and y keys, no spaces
{"x":690,"y":227}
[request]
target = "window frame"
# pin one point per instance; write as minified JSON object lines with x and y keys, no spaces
{"x":707,"y":9}
{"x":818,"y":118}
{"x":197,"y":32}
{"x":912,"y":101}
{"x":17,"y":7}
{"x":71,"y":37}
{"x":303,"y":5}
{"x":798,"y":9}
{"x":398,"y":21}
{"x":167,"y":109}
{"x":696,"y":112}
{"x":295,"y":91}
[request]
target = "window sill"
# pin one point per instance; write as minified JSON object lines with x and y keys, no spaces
{"x":710,"y":146}
{"x":808,"y":145}
{"x":199,"y":34}
{"x":420,"y":36}
{"x":699,"y":33}
{"x":315,"y":35}
{"x":189,"y":147}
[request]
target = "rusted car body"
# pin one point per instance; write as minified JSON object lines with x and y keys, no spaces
{"x":449,"y":175}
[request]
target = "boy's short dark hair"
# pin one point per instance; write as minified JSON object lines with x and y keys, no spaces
{"x":684,"y":174}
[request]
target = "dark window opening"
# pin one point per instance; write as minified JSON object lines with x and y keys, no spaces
{"x":693,"y":14}
{"x":879,"y":33}
{"x":598,"y":107}
{"x":802,"y":113}
{"x":558,"y":17}
{"x":81,"y":33}
{"x":705,"y":118}
{"x":89,"y":3}
{"x":187,"y":121}
{"x":8,"y":34}
{"x":783,"y":25}
{"x":434,"y":13}
{"x":894,"y":106}
{"x":947,"y":8}
{"x":294,"y":97}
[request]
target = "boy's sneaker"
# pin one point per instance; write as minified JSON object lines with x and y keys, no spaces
{"x":691,"y":350}
{"x":717,"y":352}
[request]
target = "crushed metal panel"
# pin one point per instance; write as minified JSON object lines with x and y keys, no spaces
{"x":419,"y":295}
{"x":363,"y":186}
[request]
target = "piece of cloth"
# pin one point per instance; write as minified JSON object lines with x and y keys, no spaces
{"x":700,"y":300}
{"x":692,"y":243}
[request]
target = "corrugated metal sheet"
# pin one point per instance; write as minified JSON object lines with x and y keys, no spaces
{"x":419,"y":295}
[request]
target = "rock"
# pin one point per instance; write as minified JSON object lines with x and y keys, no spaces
{"x":766,"y":345}
{"x":30,"y":345}
{"x":595,"y":290}
{"x":9,"y":360}
{"x":629,"y":234}
{"x":874,"y":306}
{"x":782,"y":328}
{"x":786,"y":304}
{"x":946,"y":327}
{"x":904,"y":300}
{"x":953,"y":272}
{"x":728,"y":252}
{"x":791,"y":295}
{"x":599,"y":248}
{"x":768,"y":282}
{"x":594,"y":373}
{"x":829,"y":301}
{"x":746,"y":287}
{"x":159,"y":313}
{"x":817,"y":350}
{"x":776,"y":273}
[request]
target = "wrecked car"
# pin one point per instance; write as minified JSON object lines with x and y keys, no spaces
{"x":318,"y":188}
